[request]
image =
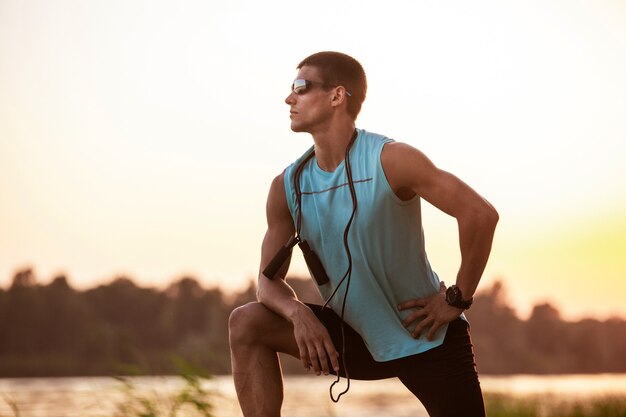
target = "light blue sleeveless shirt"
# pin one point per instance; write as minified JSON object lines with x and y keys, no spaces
{"x":386,"y":239}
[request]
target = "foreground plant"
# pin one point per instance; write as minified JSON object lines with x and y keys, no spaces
{"x":499,"y":405}
{"x":191,"y":400}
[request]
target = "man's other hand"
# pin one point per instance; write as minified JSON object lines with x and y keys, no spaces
{"x":434,"y":312}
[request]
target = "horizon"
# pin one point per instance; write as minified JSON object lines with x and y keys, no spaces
{"x":521,"y":313}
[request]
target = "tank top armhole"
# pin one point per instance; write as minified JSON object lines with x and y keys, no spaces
{"x":290,"y":193}
{"x":383,"y":177}
{"x":288,"y":190}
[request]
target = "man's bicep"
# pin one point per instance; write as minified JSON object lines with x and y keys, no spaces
{"x":277,"y":210}
{"x":446,"y":192}
{"x":408,"y":167}
{"x":279,"y":224}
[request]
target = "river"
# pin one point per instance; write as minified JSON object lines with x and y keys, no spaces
{"x":304,"y":396}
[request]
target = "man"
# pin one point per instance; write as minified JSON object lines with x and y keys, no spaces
{"x":355,"y":199}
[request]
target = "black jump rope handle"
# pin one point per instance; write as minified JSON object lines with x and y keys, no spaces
{"x":314,"y":264}
{"x":311,"y":259}
{"x":279,"y":259}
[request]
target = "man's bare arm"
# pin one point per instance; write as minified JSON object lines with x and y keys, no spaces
{"x":409,"y":171}
{"x":313,"y":341}
{"x":276,"y":294}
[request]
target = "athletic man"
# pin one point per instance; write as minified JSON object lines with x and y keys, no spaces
{"x":354,"y":199}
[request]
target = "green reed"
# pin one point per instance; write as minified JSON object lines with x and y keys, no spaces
{"x":190,"y":400}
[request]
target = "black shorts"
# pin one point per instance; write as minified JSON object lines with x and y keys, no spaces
{"x":444,"y":378}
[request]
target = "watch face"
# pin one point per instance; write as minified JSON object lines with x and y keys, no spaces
{"x":450,"y":295}
{"x":455,"y":298}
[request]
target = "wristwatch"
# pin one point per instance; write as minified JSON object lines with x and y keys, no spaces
{"x":454,"y":298}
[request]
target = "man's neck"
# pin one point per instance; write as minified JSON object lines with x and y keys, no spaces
{"x":330,"y":145}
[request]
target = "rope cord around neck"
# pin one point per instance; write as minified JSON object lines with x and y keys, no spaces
{"x":348,"y":274}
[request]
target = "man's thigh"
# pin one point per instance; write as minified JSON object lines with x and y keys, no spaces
{"x":358,"y":360}
{"x":445,"y":378}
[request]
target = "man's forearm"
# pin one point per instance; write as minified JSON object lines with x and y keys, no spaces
{"x":475,"y":237}
{"x":278,"y":296}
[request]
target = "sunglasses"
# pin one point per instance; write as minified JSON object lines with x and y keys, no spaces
{"x":301,"y":86}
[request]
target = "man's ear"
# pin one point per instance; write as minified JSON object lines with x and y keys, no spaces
{"x":339,"y":96}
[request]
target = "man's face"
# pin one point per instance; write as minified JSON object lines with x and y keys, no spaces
{"x":310,"y":109}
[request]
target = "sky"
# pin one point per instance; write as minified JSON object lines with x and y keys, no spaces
{"x":139,"y":138}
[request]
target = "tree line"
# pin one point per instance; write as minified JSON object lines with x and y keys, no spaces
{"x":122,"y":328}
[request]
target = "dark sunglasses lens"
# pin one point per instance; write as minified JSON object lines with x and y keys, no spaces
{"x":299,"y":86}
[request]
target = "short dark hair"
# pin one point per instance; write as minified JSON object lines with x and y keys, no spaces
{"x":341,"y":69}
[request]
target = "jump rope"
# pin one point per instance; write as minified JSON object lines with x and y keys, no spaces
{"x":312,"y":260}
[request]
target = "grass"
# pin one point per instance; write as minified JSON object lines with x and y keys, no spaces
{"x":190,"y":400}
{"x":499,"y":405}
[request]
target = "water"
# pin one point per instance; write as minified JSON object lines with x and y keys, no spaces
{"x":304,"y":395}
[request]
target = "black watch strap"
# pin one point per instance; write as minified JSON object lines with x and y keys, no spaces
{"x":454,"y":298}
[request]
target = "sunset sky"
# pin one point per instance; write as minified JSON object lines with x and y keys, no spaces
{"x":139,"y":138}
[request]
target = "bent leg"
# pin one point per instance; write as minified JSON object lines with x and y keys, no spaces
{"x":256,"y":335}
{"x":444,"y":379}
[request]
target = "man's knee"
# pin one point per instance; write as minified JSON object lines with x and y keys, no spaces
{"x":245,"y":322}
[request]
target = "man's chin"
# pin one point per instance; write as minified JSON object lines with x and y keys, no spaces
{"x":298,"y":128}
